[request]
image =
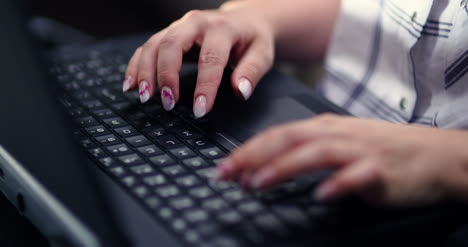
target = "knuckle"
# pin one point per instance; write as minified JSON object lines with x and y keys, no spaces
{"x":219,"y":21}
{"x":166,"y":76}
{"x":193,"y":14}
{"x":252,"y":68}
{"x":168,"y":40}
{"x":210,"y":57}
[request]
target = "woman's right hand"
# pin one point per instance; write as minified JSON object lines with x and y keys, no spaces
{"x":234,"y":33}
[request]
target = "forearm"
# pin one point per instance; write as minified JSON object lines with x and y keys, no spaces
{"x":302,"y":28}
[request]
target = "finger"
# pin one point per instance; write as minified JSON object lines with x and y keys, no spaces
{"x":268,"y":146}
{"x":172,"y":47}
{"x":310,"y":157}
{"x":214,"y":56}
{"x":130,"y":81}
{"x":147,"y":67}
{"x":355,"y":178}
{"x":252,"y":66}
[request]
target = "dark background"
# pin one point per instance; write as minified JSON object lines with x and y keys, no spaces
{"x":104,"y":19}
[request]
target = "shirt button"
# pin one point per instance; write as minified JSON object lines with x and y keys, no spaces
{"x":403,"y":103}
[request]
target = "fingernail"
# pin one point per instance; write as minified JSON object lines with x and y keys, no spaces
{"x":325,"y":192}
{"x":199,"y":108}
{"x":167,"y":98}
{"x":262,"y":178}
{"x":224,"y":169}
{"x":245,"y":87}
{"x":126,"y":84}
{"x":144,"y":91}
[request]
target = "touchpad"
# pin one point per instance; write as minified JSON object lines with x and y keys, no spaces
{"x":252,"y":117}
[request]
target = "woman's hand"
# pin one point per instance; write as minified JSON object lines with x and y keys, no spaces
{"x":384,"y":163}
{"x":233,"y":31}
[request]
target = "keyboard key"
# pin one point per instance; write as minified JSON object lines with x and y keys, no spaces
{"x":186,"y":134}
{"x":84,"y":122}
{"x":87,"y":143}
{"x":168,"y":191}
{"x":207,"y":173}
{"x":188,"y":181}
{"x":103,"y":113}
{"x":199,"y":143}
{"x":293,"y":215}
{"x":195,"y":216}
{"x":145,"y":124}
{"x":154,"y":180}
{"x":162,"y":160}
{"x":196,"y":163}
{"x":126,"y":131}
{"x":142,"y":169}
{"x":119,"y":149}
{"x":156,"y":133}
{"x":115,"y":122}
{"x":182,"y":152}
{"x":129,"y":181}
{"x":97,"y":130}
{"x":138,"y":141}
{"x":92,"y":104}
{"x":202,"y":192}
{"x":229,"y":217}
{"x":179,"y":225}
{"x":235,"y":195}
{"x":212,"y":153}
{"x":269,"y":222}
{"x":166,"y":213}
{"x":251,"y":207}
{"x":121,"y":107}
{"x":175,"y":170}
{"x":107,"y":162}
{"x":131,"y":159}
{"x":169,"y":142}
{"x":118,"y":171}
{"x":152,"y":202}
{"x":107,"y":140}
{"x":220,"y":185}
{"x":150,"y":150}
{"x":181,"y":203}
{"x":141,"y":191}
{"x":214,"y":204}
{"x":97,"y":153}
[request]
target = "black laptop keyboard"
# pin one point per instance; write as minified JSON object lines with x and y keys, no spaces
{"x":166,"y":161}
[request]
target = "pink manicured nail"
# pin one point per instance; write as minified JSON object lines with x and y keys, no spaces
{"x":167,"y":98}
{"x":126,"y":84}
{"x":245,"y":87}
{"x":199,"y":108}
{"x":325,"y":192}
{"x":224,"y":169}
{"x":262,"y":178}
{"x":144,"y":91}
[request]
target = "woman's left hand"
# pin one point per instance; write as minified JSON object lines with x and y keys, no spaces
{"x":385,"y":163}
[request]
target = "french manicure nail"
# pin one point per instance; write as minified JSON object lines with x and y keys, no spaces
{"x":199,"y":108}
{"x":262,"y":178}
{"x":167,"y":98}
{"x":245,"y":87}
{"x":126,"y":84}
{"x":325,"y":192}
{"x":144,"y":91}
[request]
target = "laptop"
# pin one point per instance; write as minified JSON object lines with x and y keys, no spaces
{"x":91,"y":166}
